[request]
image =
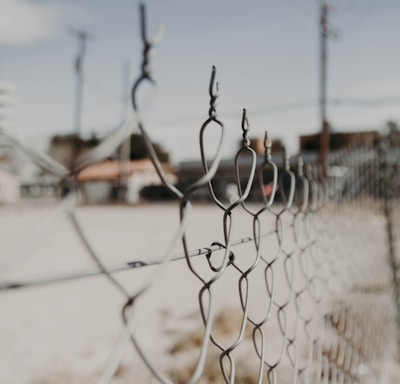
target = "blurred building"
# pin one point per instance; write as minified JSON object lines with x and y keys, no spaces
{"x":224,"y":182}
{"x":339,"y":140}
{"x":67,"y":148}
{"x":9,"y":183}
{"x":104,"y":181}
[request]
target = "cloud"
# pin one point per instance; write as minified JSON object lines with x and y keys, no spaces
{"x":24,"y":22}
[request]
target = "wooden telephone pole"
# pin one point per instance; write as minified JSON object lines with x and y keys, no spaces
{"x":82,"y":37}
{"x":324,"y":136}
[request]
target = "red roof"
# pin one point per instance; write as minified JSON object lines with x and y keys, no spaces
{"x":112,"y":170}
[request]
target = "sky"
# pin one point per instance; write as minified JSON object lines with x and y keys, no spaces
{"x":266,"y":53}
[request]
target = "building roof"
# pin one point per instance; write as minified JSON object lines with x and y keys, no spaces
{"x":113,"y":170}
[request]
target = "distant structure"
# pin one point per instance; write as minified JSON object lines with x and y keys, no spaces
{"x":101,"y":182}
{"x":112,"y":179}
{"x":9,"y":183}
{"x":224,"y":181}
{"x":7,"y":104}
{"x":257,"y":143}
{"x":67,"y":148}
{"x":338,"y":140}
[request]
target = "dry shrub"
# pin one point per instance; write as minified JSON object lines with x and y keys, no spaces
{"x":226,"y":327}
{"x":228,"y":322}
{"x":246,"y":370}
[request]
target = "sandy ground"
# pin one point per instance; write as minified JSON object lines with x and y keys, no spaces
{"x":66,"y":332}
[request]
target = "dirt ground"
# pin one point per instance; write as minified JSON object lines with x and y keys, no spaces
{"x":67,"y":332}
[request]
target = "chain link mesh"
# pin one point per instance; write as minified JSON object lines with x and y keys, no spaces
{"x":297,"y":286}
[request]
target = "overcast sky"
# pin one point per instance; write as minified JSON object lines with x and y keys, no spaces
{"x":266,"y":53}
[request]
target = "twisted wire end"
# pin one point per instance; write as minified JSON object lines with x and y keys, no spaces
{"x":286,"y":158}
{"x":245,"y":128}
{"x":212,"y":112}
{"x":300,"y":166}
{"x":267,"y":147}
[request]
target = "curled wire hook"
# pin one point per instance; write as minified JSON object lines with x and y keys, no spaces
{"x":268,"y":163}
{"x":209,"y":172}
{"x":205,"y":180}
{"x":148,"y":46}
{"x":288,"y":199}
{"x":304,"y":198}
{"x":267,"y":148}
{"x":212,"y":112}
{"x":245,"y":148}
{"x":146,"y":76}
{"x":245,"y":129}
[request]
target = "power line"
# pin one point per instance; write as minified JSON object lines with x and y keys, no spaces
{"x":299,"y":104}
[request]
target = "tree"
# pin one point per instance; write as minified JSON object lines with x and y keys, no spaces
{"x":139,"y":150}
{"x":277,"y":145}
{"x":393,"y":132}
{"x":67,"y":148}
{"x":393,"y":127}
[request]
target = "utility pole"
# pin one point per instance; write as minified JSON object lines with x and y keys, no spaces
{"x":82,"y":37}
{"x":324,"y":136}
{"x":125,"y":87}
{"x":125,"y":150}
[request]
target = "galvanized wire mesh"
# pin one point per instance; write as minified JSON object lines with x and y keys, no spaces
{"x":295,"y":287}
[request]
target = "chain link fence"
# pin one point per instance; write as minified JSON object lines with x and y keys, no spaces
{"x":300,"y":286}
